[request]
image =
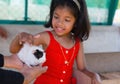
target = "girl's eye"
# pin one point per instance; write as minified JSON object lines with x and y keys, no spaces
{"x":67,"y":20}
{"x":56,"y":17}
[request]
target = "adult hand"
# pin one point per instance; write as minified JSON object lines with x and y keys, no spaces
{"x":30,"y":73}
{"x":12,"y":62}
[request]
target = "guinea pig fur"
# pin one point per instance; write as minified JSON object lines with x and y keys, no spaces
{"x":32,"y":55}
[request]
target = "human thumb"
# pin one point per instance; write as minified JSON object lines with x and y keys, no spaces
{"x":44,"y":69}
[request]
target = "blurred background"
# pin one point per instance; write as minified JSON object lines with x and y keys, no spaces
{"x":101,"y":12}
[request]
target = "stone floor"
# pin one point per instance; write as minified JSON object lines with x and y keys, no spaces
{"x":110,"y":78}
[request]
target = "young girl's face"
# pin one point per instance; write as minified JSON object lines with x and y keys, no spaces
{"x":63,"y":20}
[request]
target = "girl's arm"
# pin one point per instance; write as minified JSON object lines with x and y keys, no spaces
{"x":38,"y":39}
{"x":80,"y":60}
{"x":81,"y":65}
{"x":15,"y":45}
{"x":19,"y":40}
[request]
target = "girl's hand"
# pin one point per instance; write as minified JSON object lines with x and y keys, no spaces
{"x":25,"y":37}
{"x":95,"y":78}
{"x":19,"y":40}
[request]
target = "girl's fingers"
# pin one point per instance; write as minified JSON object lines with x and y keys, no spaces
{"x":25,"y":37}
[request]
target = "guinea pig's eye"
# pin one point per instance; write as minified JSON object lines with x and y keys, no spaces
{"x":38,"y":54}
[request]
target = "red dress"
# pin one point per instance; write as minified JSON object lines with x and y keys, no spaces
{"x":58,"y":72}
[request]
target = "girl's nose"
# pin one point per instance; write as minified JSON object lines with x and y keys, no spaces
{"x":60,"y":22}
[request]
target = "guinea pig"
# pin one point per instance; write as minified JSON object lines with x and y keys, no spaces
{"x":31,"y":55}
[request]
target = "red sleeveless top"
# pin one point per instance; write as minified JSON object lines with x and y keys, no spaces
{"x":58,"y":72}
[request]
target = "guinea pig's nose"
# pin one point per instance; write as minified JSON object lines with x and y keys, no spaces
{"x":38,"y":54}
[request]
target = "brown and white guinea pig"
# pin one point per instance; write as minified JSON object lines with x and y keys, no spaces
{"x":32,"y":55}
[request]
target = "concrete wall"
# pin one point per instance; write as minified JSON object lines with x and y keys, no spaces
{"x":102,"y":39}
{"x":13,"y":30}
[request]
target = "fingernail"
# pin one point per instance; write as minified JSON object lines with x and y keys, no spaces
{"x":20,"y":42}
{"x":46,"y":67}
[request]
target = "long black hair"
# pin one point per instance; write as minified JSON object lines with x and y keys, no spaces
{"x":82,"y":25}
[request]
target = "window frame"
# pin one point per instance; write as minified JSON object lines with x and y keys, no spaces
{"x":112,"y":8}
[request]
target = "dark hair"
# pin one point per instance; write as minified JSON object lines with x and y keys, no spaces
{"x":82,"y":25}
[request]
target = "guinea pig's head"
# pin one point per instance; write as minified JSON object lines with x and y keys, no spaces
{"x":38,"y":53}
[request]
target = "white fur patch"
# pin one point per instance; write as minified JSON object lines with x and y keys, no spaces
{"x":26,"y":54}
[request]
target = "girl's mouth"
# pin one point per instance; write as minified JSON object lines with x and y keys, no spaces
{"x":58,"y":29}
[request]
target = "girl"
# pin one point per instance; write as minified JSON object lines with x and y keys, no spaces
{"x":63,"y":44}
